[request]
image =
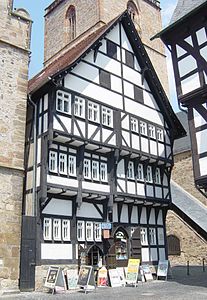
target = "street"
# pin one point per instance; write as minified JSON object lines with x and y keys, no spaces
{"x":180,"y":287}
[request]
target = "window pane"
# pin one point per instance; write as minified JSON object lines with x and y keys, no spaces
{"x":95,"y":170}
{"x":140,"y":174}
{"x":63,"y":101}
{"x":144,"y":240}
{"x":81,"y":231}
{"x":97,"y":231}
{"x":107,"y":116}
{"x":111,"y":49}
{"x":130,"y":172}
{"x":72,"y":165}
{"x":105,"y":79}
{"x":53,"y":161}
{"x":103,"y":172}
{"x":87,"y":169}
{"x":56,"y":230}
{"x":66,"y":230}
{"x":129,"y":58}
{"x":47,"y":229}
{"x":62,"y":163}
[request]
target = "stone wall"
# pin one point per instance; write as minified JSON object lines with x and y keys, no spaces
{"x":14,"y":58}
{"x":182,"y":174}
{"x":193,"y":247}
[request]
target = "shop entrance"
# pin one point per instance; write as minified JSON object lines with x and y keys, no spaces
{"x":118,"y":253}
{"x":95,"y":256}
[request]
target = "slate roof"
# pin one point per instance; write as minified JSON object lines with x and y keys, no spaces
{"x":189,"y":205}
{"x":184,"y":7}
{"x":183,"y":144}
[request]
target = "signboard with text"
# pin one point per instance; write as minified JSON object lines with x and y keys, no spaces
{"x":132,"y":270}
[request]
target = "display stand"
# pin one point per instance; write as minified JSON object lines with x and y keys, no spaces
{"x":55,"y":279}
{"x":132,"y":271}
{"x":86,"y":280}
{"x":162,"y":269}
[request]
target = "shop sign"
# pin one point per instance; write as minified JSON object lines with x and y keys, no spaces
{"x":146,"y":272}
{"x":106,"y":226}
{"x":121,"y":275}
{"x":106,"y":234}
{"x":55,"y":279}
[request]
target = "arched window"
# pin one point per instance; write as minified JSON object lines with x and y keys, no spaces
{"x":71,"y":17}
{"x":132,"y":10}
{"x":173,"y":243}
{"x":134,"y":15}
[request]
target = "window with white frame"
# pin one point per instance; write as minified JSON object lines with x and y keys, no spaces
{"x":87,"y":168}
{"x":53,"y":161}
{"x":47,"y":229}
{"x":72,"y":165}
{"x":95,"y":170}
{"x":152,"y":236}
{"x":130,"y":172}
{"x":62,"y":163}
{"x":160,"y":135}
{"x":157,"y":176}
{"x":143,"y":127}
{"x":63,"y":102}
{"x":134,"y":125}
{"x":103,"y":171}
{"x":79,"y":107}
{"x":143,"y":236}
{"x":89,"y":231}
{"x":151,"y":130}
{"x":107,"y":116}
{"x":81,"y":230}
{"x":57,"y":229}
{"x":149,"y":174}
{"x":140,"y":172}
{"x":66,"y":230}
{"x":97,"y":232}
{"x":93,"y":112}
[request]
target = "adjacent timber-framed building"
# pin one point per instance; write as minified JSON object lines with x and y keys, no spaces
{"x":99,"y":140}
{"x":186,"y":38}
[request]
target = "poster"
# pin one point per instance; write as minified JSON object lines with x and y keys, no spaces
{"x":132,"y":270}
{"x":51,"y":277}
{"x":162,"y":268}
{"x":121,"y":275}
{"x":114,"y":278}
{"x":102,"y":277}
{"x":72,"y":278}
{"x":147,"y":272}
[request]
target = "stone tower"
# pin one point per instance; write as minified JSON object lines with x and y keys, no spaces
{"x":69,"y":21}
{"x":14,"y":52}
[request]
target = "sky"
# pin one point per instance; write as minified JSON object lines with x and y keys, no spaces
{"x":36,"y":10}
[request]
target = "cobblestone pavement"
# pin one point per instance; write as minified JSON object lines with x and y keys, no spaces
{"x":180,"y":287}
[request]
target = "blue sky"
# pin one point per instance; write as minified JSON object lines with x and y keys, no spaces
{"x":36,"y":10}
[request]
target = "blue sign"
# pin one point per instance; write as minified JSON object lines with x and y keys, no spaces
{"x":105,"y":225}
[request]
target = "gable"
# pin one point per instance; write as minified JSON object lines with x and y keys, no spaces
{"x":137,"y":74}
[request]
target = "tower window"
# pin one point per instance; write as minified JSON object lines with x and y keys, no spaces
{"x":71,"y":16}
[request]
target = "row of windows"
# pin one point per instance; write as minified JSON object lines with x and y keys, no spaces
{"x":150,"y":130}
{"x":149,"y":236}
{"x":63,"y":164}
{"x":95,"y":170}
{"x":59,"y":230}
{"x":89,"y":231}
{"x":56,"y":229}
{"x":140,"y":173}
{"x":95,"y":113}
{"x":66,"y":165}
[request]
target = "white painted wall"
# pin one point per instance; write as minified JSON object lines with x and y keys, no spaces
{"x":145,"y":254}
{"x":134,"y":215}
{"x":62,"y":181}
{"x":95,"y":187}
{"x":56,"y":251}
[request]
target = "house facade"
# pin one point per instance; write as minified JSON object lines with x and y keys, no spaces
{"x":98,"y":156}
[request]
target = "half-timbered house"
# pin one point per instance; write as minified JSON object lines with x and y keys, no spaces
{"x":100,"y":132}
{"x":186,"y":38}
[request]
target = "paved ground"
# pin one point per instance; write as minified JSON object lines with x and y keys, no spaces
{"x":180,"y":287}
